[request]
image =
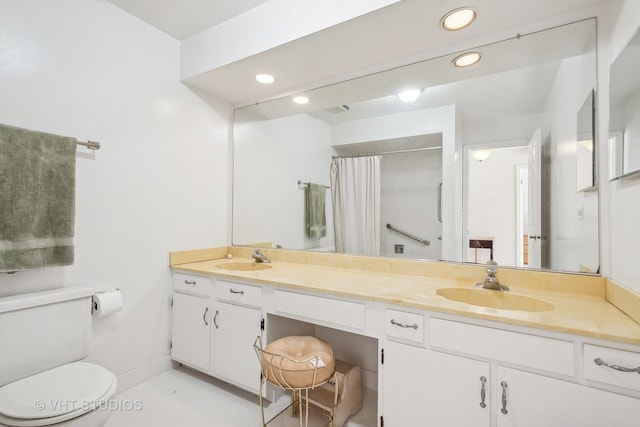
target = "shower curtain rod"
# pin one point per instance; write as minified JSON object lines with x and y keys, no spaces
{"x":387,"y":152}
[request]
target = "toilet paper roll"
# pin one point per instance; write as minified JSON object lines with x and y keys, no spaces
{"x":107,"y":302}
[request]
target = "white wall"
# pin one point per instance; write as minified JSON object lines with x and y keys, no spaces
{"x":621,"y":198}
{"x":570,"y":243}
{"x":274,"y":155}
{"x":86,"y":69}
{"x":492,"y":200}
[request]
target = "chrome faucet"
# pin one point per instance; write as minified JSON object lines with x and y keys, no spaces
{"x":259,"y":257}
{"x":491,"y":281}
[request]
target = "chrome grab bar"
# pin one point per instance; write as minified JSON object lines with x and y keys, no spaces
{"x":411,"y":236}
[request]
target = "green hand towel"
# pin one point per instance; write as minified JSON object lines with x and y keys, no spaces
{"x":37,"y":199}
{"x":316,"y":221}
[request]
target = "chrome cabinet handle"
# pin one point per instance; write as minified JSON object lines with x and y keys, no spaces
{"x":215,"y":319}
{"x":483,"y":394}
{"x":204,"y":316}
{"x":504,"y":397}
{"x":233,"y":291}
{"x":190,"y":282}
{"x":404,"y":325}
{"x":601,"y":362}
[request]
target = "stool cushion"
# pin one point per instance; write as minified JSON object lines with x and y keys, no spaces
{"x":298,"y":362}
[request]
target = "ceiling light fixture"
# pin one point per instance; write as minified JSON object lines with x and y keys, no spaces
{"x":467,"y":59}
{"x":301,"y":100}
{"x":409,"y":96}
{"x":265,"y":79}
{"x":481,"y":155}
{"x":458,"y":19}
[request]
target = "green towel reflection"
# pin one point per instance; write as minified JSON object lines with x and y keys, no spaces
{"x":316,"y":221}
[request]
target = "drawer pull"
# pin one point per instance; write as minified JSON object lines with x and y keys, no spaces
{"x":483,"y":393}
{"x":190,"y":282}
{"x":504,"y":386}
{"x":404,"y":325}
{"x":204,"y":316}
{"x":601,"y":362}
{"x":233,"y":291}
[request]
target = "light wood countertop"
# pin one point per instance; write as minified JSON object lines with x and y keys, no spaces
{"x":580,"y":304}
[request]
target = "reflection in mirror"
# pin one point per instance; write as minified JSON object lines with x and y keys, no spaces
{"x":624,"y":110}
{"x":585,"y":151}
{"x":523,"y":96}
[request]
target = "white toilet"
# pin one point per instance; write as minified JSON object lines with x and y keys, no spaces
{"x":44,"y":336}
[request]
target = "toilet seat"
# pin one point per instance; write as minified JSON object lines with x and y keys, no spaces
{"x":56,"y":395}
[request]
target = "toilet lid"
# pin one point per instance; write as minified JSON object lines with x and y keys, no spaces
{"x":72,"y":388}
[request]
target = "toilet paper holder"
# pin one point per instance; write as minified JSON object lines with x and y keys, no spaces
{"x":94,"y":298}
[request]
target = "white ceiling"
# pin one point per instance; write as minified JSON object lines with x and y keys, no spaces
{"x":403,"y":32}
{"x":183,"y":18}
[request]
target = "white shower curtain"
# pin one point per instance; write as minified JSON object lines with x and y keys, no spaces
{"x":355,"y":192}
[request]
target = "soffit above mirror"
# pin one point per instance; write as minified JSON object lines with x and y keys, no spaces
{"x":387,"y":37}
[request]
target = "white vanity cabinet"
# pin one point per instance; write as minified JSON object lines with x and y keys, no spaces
{"x":237,"y":321}
{"x":190,"y":336}
{"x":434,"y":369}
{"x":425,"y":387}
{"x":532,"y":400}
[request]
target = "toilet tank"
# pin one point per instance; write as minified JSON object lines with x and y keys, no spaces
{"x":42,"y":330}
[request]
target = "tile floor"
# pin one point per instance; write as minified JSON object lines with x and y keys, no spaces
{"x":182,"y":397}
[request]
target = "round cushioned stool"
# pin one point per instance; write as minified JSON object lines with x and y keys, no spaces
{"x":299,"y":364}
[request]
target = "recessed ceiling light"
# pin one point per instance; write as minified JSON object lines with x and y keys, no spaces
{"x":409,"y":96}
{"x":467,"y":59}
{"x":300,"y":99}
{"x":458,"y":19}
{"x":266,"y":79}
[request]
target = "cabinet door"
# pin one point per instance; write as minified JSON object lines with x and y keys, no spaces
{"x":235,"y":330}
{"x":190,"y":330}
{"x":424,"y":387}
{"x":534,"y":400}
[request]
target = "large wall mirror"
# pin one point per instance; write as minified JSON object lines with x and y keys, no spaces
{"x":480,"y":164}
{"x":624,"y":112}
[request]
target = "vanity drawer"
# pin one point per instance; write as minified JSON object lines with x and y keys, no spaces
{"x":403,"y":325}
{"x":239,"y":293}
{"x":608,"y":375}
{"x":532,"y":351}
{"x":327,"y":310}
{"x":196,"y":285}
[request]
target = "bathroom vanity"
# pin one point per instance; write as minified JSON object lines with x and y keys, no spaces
{"x":524,"y":358}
